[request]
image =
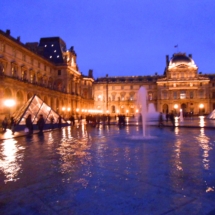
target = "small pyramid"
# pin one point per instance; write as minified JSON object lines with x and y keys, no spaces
{"x":36,"y":106}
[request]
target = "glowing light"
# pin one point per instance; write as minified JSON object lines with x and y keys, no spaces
{"x":175,"y":106}
{"x":201,"y":106}
{"x":201,"y":121}
{"x":68,"y":109}
{"x":9,"y":103}
{"x":63,"y":108}
{"x":77,"y":109}
{"x":137,"y":111}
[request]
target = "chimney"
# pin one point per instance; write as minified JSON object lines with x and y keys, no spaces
{"x":90,"y":73}
{"x":156,"y":73}
{"x":18,"y":38}
{"x":8,"y":32}
{"x":190,"y":56}
{"x":167,"y":60}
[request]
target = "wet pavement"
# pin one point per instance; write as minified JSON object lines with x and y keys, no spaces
{"x":110,"y":170}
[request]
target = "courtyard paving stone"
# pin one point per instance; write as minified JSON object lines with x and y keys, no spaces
{"x":106,"y":170}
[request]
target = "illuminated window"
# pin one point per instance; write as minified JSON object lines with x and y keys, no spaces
{"x":182,"y":75}
{"x":50,"y":56}
{"x":182,"y":94}
{"x":201,"y":94}
{"x":113,"y":109}
{"x":164,"y":95}
{"x":55,"y":50}
{"x":52,"y":45}
{"x":45,"y":45}
{"x":58,"y":56}
{"x":150,"y":96}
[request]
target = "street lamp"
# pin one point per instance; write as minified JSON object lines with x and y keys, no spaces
{"x":9,"y":103}
{"x":176,"y":107}
{"x":201,"y":106}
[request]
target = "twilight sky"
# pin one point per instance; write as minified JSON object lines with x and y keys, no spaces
{"x":119,"y":37}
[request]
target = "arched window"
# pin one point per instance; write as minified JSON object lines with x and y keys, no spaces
{"x":113,"y":109}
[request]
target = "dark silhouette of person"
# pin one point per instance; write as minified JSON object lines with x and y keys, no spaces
{"x":41,"y":124}
{"x":172,"y":119}
{"x":72,"y":119}
{"x":52,"y":122}
{"x":160,"y":120}
{"x":4,"y":124}
{"x":59,"y":121}
{"x":29,"y":124}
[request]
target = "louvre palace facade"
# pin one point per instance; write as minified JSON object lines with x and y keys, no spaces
{"x":181,"y":87}
{"x":49,"y":70}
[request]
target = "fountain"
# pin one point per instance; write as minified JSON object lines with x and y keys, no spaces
{"x":141,"y":100}
{"x":148,"y":112}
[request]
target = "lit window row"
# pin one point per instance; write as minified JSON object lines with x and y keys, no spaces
{"x":51,"y":56}
{"x":51,"y":45}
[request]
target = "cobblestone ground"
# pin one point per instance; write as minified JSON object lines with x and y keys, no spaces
{"x":109,"y":170}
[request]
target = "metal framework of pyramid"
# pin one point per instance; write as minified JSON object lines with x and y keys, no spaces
{"x":36,"y":106}
{"x":212,"y":115}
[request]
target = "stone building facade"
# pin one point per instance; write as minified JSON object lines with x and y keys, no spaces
{"x":47,"y":69}
{"x":180,"y":87}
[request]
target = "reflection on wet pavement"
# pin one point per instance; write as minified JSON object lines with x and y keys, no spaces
{"x":101,"y":170}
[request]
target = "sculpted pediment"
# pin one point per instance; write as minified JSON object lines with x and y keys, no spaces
{"x":182,"y":66}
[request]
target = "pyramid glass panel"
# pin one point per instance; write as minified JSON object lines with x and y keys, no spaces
{"x":35,"y":106}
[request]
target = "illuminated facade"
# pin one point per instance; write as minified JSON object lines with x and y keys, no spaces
{"x":47,"y":69}
{"x":180,"y":87}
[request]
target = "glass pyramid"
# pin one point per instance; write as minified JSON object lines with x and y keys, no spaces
{"x":35,"y":106}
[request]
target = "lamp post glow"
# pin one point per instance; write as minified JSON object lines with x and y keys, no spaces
{"x":201,"y":106}
{"x":175,"y":107}
{"x":9,"y":103}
